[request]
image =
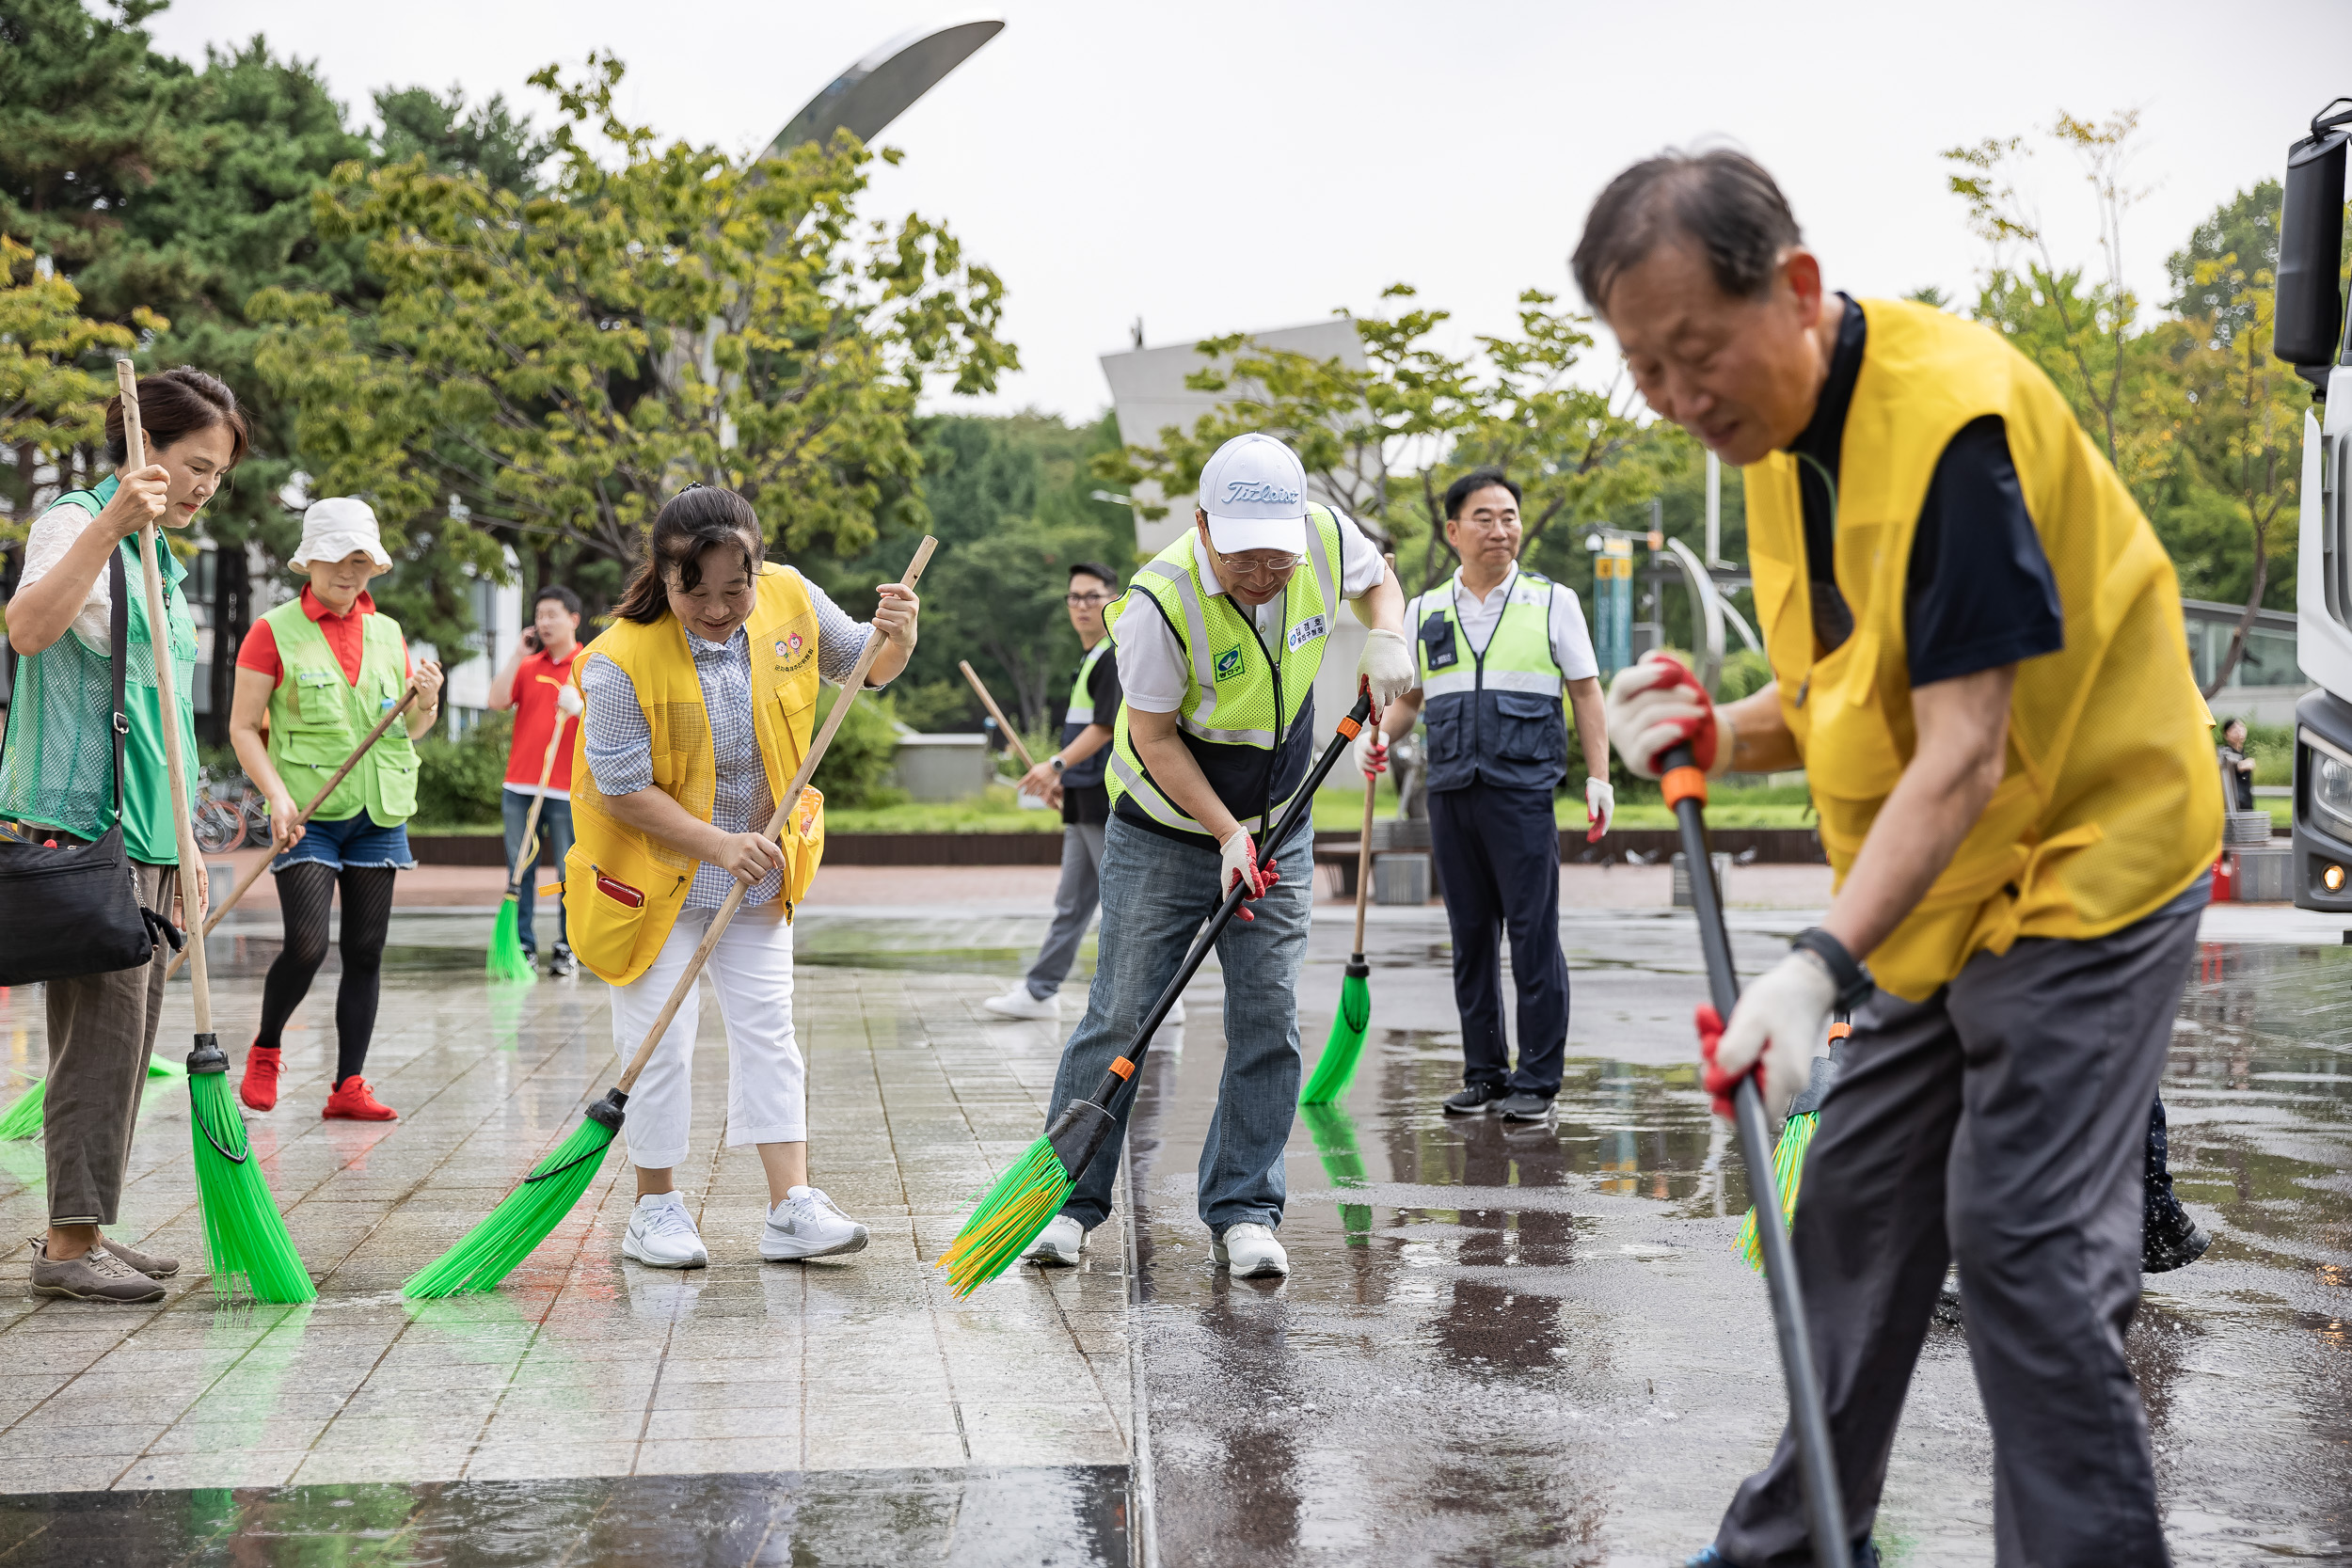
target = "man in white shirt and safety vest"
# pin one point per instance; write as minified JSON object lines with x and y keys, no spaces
{"x":1219,"y":639}
{"x":1978,"y":659}
{"x":1500,"y":654}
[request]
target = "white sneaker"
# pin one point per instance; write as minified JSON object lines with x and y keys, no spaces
{"x":1018,"y":1003}
{"x":808,"y":1224}
{"x":661,"y":1234}
{"x":1251,"y":1252}
{"x":1058,"y":1245}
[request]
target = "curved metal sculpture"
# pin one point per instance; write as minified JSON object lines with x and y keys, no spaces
{"x":881,"y":87}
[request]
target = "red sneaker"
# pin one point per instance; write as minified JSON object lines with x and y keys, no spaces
{"x":353,"y":1101}
{"x":258,"y":1088}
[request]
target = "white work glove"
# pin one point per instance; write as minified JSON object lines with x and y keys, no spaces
{"x":568,"y":702}
{"x":1784,"y":1019}
{"x":1600,"y":807}
{"x":1238,"y":857}
{"x":1658,"y":703}
{"x":1371,"y":751}
{"x":1387,"y":669}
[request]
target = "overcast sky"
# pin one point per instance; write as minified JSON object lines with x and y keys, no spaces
{"x":1214,"y":166}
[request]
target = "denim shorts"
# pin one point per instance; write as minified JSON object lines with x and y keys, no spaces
{"x":355,"y":841}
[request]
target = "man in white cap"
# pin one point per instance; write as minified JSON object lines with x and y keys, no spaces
{"x":1219,"y":640}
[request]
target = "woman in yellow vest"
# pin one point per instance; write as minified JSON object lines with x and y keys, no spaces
{"x":314,"y":676}
{"x":700,"y":703}
{"x":1978,"y":658}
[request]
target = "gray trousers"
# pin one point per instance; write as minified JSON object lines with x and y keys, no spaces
{"x":1074,"y":902}
{"x":102,"y":1029}
{"x":2003,"y":1122}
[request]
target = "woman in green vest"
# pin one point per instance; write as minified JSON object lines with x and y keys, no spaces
{"x":57,"y":784}
{"x":314,"y":676}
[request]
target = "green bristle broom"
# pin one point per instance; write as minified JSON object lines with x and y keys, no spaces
{"x":1336,"y":1068}
{"x":525,"y":1217}
{"x":1334,"y":1134}
{"x":1026,"y":1197}
{"x":507,"y":960}
{"x":1796,"y":1136}
{"x":23,"y":1119}
{"x":244,"y":1232}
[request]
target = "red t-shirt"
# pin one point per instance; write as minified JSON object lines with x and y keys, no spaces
{"x":344,"y":635}
{"x":535,"y":719}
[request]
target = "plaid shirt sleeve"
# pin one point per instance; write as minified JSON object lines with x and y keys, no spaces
{"x":620,"y":742}
{"x":840,"y":637}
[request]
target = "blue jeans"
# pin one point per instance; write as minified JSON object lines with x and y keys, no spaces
{"x":555,"y":827}
{"x":1157,"y":892}
{"x":357,"y":842}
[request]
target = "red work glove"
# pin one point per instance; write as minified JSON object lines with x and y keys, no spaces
{"x":1722,"y":1085}
{"x":1239,"y":859}
{"x":1656,"y":705}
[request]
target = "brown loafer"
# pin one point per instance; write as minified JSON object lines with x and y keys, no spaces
{"x":148,"y":1263}
{"x":96,"y":1275}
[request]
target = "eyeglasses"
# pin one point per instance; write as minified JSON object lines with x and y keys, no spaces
{"x":1079,"y":601}
{"x":1261,"y":568}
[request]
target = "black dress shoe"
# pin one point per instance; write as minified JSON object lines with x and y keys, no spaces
{"x":2171,"y":1240}
{"x":1522,"y":1106}
{"x":1475,"y":1100}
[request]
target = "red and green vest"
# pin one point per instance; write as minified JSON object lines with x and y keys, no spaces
{"x":317,"y":715}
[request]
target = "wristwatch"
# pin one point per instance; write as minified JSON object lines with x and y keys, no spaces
{"x":1853,"y":978}
{"x":1056,"y":763}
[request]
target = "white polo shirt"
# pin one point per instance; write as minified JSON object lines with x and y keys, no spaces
{"x":1153,"y":674}
{"x":1571,"y":640}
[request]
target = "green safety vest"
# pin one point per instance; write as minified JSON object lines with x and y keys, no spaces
{"x":60,"y":748}
{"x":1249,"y":715}
{"x":316,"y":716}
{"x":1494,"y":713}
{"x":1080,"y":714}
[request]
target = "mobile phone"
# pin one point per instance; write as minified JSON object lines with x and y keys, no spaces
{"x":531,"y":639}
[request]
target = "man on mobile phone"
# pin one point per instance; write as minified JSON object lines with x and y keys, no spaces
{"x":529,"y":682}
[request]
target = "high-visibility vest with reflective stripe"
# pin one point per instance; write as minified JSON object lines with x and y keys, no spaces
{"x":2109,"y":806}
{"x":317,"y":715}
{"x":1248,"y":715}
{"x":1087,"y":774}
{"x":1494,"y":713}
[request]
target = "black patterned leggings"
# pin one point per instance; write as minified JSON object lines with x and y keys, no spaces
{"x":304,"y":891}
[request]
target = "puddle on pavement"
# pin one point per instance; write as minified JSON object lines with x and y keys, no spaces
{"x":977,"y":1518}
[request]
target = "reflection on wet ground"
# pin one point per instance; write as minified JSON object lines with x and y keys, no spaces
{"x":975,"y":1518}
{"x":1498,"y":1345}
{"x":1531,"y":1344}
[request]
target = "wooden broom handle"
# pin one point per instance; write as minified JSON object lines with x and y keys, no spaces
{"x":253,"y":873}
{"x":849,"y":692}
{"x":527,"y":856}
{"x":997,"y":713}
{"x":168,"y":707}
{"x":1363,"y":861}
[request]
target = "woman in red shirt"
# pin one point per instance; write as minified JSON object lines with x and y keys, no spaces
{"x":537,"y":682}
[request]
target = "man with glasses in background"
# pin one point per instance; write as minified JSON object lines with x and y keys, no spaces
{"x":1072,"y":779}
{"x":1219,"y":640}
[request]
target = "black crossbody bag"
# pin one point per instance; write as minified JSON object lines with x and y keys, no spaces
{"x":75,"y":909}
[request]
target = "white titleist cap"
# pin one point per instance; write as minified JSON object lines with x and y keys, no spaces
{"x":1255,"y":493}
{"x":334,"y":527}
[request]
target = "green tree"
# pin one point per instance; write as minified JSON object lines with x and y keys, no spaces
{"x":558,"y":364}
{"x":51,"y":405}
{"x":1385,"y":440}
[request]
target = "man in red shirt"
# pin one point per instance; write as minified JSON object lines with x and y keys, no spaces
{"x":539,"y":669}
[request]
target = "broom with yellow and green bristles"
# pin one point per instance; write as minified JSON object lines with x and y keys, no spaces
{"x":244,"y":1235}
{"x":1796,"y":1136}
{"x":495,"y":1247}
{"x":1024,"y":1198}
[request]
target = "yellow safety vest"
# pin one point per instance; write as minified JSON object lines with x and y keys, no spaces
{"x":2107,"y":809}
{"x":622,"y":888}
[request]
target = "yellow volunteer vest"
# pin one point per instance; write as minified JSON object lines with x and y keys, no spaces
{"x":2108,"y":808}
{"x":622,"y":888}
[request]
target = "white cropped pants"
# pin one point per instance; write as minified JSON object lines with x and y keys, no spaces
{"x":751,"y":974}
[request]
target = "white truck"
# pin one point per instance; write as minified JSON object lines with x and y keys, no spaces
{"x":2309,"y":336}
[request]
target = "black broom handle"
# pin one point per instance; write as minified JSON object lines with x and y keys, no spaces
{"x":1301,"y":804}
{"x":1805,"y":1414}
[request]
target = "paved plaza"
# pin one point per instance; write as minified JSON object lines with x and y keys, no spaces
{"x":1498,"y":1345}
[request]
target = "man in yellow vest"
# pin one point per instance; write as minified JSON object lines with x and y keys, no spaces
{"x":1977,"y":657}
{"x":1219,"y":639}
